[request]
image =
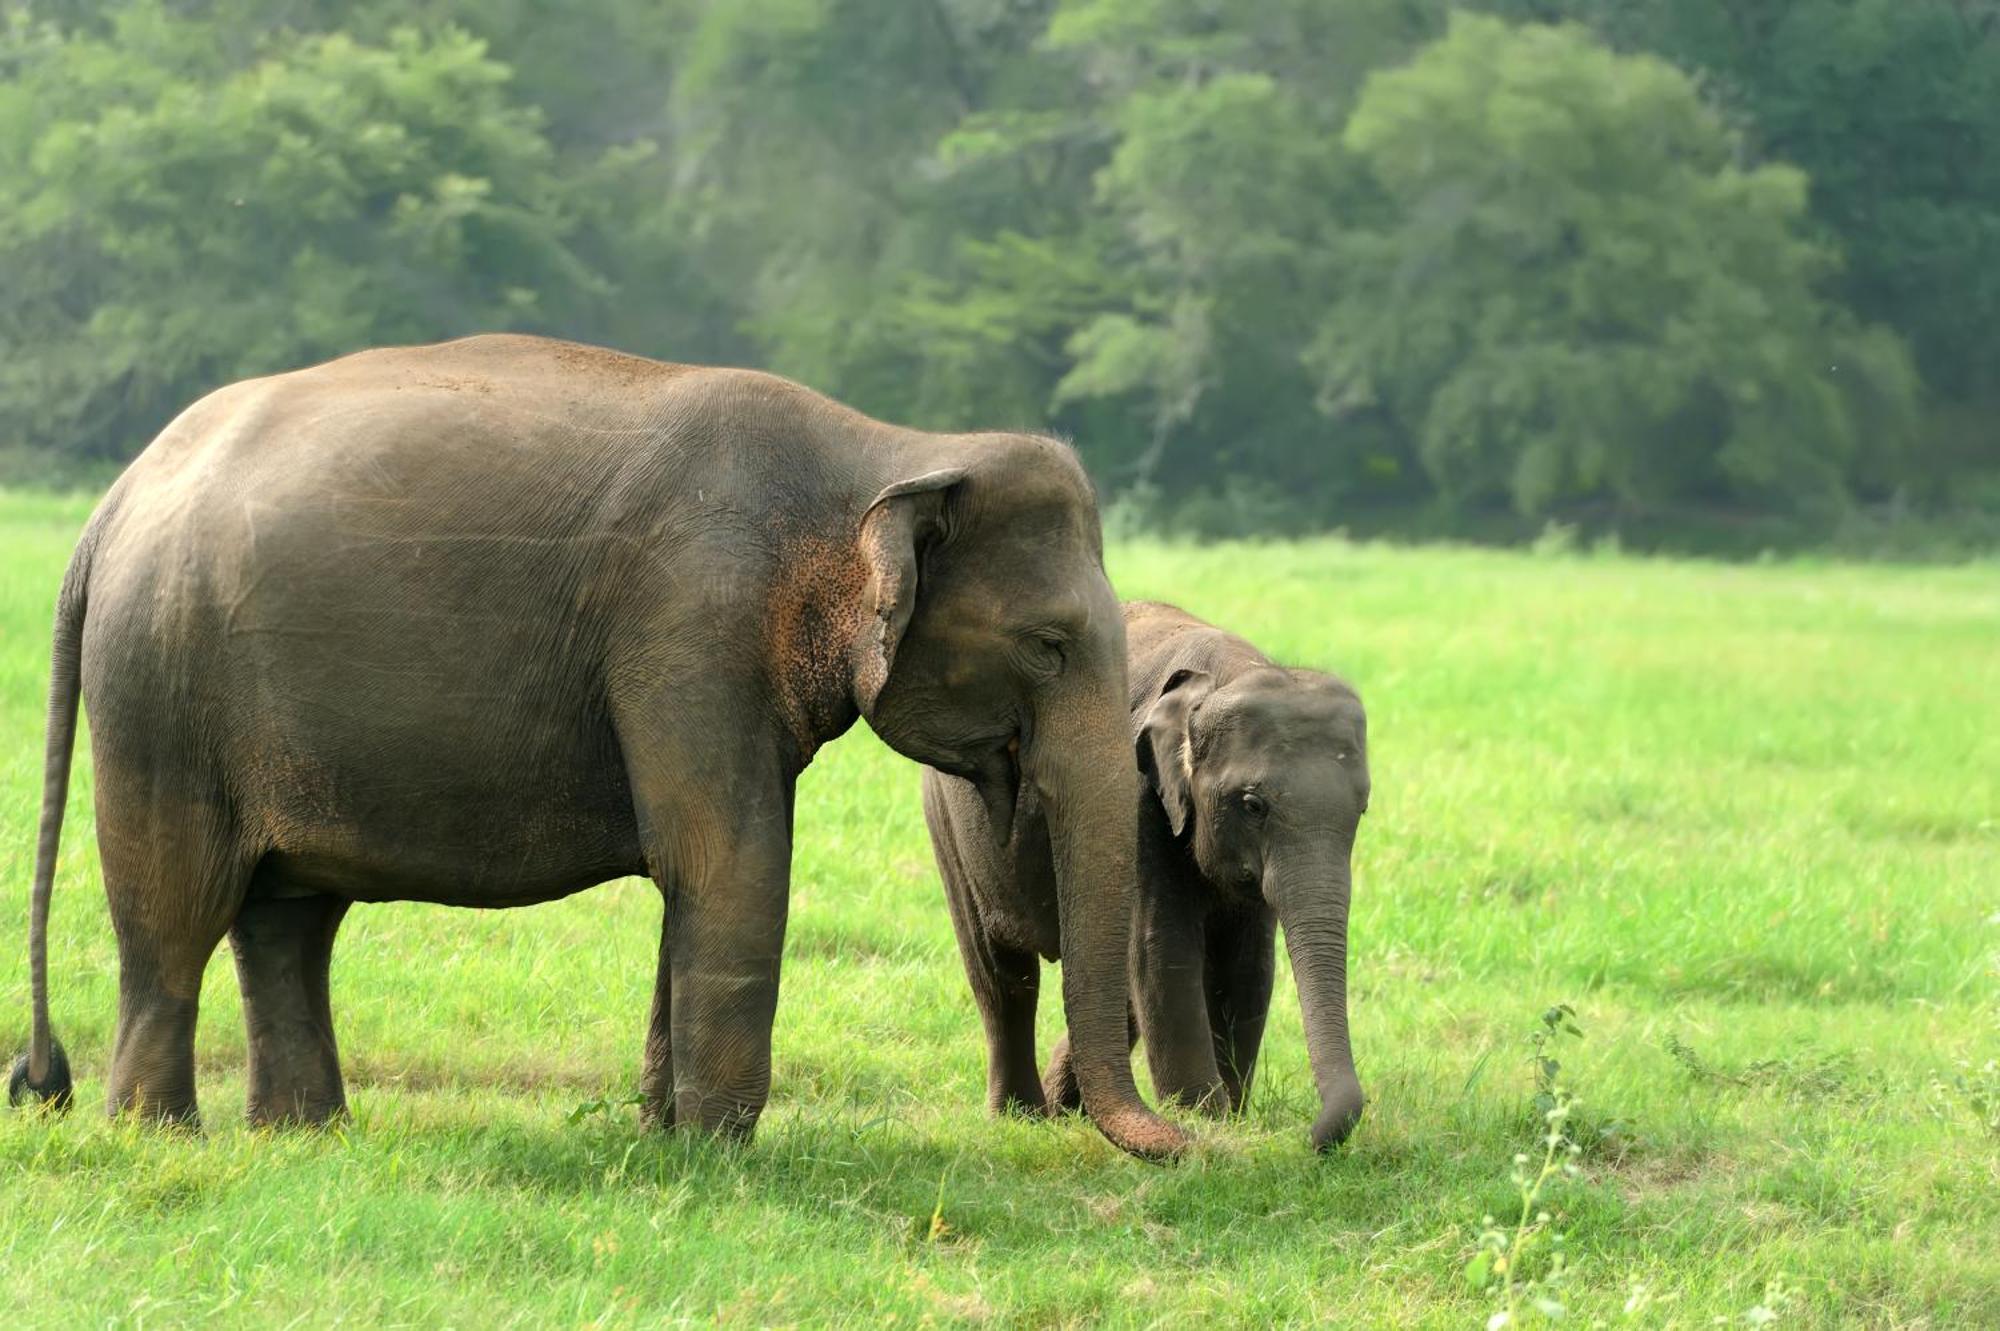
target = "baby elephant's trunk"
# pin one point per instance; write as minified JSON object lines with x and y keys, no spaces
{"x":1312,"y":907}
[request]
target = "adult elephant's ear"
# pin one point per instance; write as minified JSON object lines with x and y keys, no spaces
{"x":1166,"y":754}
{"x":894,"y":530}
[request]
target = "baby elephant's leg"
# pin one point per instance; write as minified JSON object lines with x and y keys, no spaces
{"x":1242,"y":955}
{"x":1006,"y":984}
{"x":1171,"y":966}
{"x":1006,"y":981}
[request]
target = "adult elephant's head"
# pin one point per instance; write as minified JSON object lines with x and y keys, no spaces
{"x":992,"y":648}
{"x":1268,"y":777}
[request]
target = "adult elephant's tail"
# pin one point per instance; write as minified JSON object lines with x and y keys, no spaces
{"x":44,"y":1071}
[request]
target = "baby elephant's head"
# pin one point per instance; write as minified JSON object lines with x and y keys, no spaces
{"x":1266,"y":779}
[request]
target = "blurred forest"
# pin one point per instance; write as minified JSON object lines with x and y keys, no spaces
{"x":1273,"y":264}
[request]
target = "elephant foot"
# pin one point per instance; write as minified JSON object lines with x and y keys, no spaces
{"x":177,"y":1118}
{"x":1210,"y":1101}
{"x":55,"y":1090}
{"x":295,"y":1077}
{"x":290,"y":1112}
{"x":726,"y":1117}
{"x":1022,"y":1104}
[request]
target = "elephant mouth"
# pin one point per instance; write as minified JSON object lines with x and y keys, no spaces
{"x":999,"y":786}
{"x":994,"y":770}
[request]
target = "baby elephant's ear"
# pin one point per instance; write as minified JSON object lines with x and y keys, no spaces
{"x":1166,"y":754}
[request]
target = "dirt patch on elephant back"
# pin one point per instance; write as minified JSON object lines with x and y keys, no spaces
{"x":456,"y":383}
{"x":812,"y":619}
{"x":615,"y":367}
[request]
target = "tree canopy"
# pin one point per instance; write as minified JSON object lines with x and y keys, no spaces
{"x":1266,"y":261}
{"x":1576,"y":288}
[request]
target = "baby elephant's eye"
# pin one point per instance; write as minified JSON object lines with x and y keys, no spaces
{"x":1254,"y":804}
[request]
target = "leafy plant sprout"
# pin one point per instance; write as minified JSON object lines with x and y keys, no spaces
{"x":1503,"y":1252}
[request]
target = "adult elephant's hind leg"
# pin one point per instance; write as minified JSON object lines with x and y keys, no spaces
{"x":173,"y":879}
{"x":284,"y":949}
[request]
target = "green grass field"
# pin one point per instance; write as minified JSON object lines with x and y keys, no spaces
{"x":1746,"y":819}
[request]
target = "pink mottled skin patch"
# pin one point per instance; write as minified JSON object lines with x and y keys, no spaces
{"x":813,"y":618}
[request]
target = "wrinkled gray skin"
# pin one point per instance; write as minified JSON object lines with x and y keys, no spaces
{"x":1253,"y":782}
{"x":489,"y":622}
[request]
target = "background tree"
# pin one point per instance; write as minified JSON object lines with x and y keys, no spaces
{"x":170,"y":224}
{"x":1892,"y":108}
{"x":1577,"y":291}
{"x":1666,"y":258}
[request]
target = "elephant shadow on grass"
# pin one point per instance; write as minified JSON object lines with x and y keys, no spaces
{"x":1010,"y":1184}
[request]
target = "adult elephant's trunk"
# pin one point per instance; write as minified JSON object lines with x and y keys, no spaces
{"x":1311,"y":900}
{"x":1079,"y":758}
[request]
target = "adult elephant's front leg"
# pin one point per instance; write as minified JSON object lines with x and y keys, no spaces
{"x":725,"y":935}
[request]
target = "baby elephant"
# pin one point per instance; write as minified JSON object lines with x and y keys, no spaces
{"x":1255,"y":778}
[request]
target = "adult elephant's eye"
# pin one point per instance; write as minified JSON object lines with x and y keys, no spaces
{"x":1046,"y":652}
{"x":1254,"y":804}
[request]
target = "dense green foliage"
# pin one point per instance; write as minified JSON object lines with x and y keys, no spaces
{"x":1742,"y":818}
{"x":1268,"y":261}
{"x":1576,"y":290}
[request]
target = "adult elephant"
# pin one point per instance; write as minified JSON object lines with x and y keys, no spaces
{"x":489,"y":622}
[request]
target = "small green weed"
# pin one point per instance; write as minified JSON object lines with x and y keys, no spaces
{"x":605,"y":1106}
{"x":1975,"y":1089}
{"x":1805,"y":1076}
{"x":1530,"y":1243}
{"x":1556,"y":1022}
{"x":1595,"y":1136}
